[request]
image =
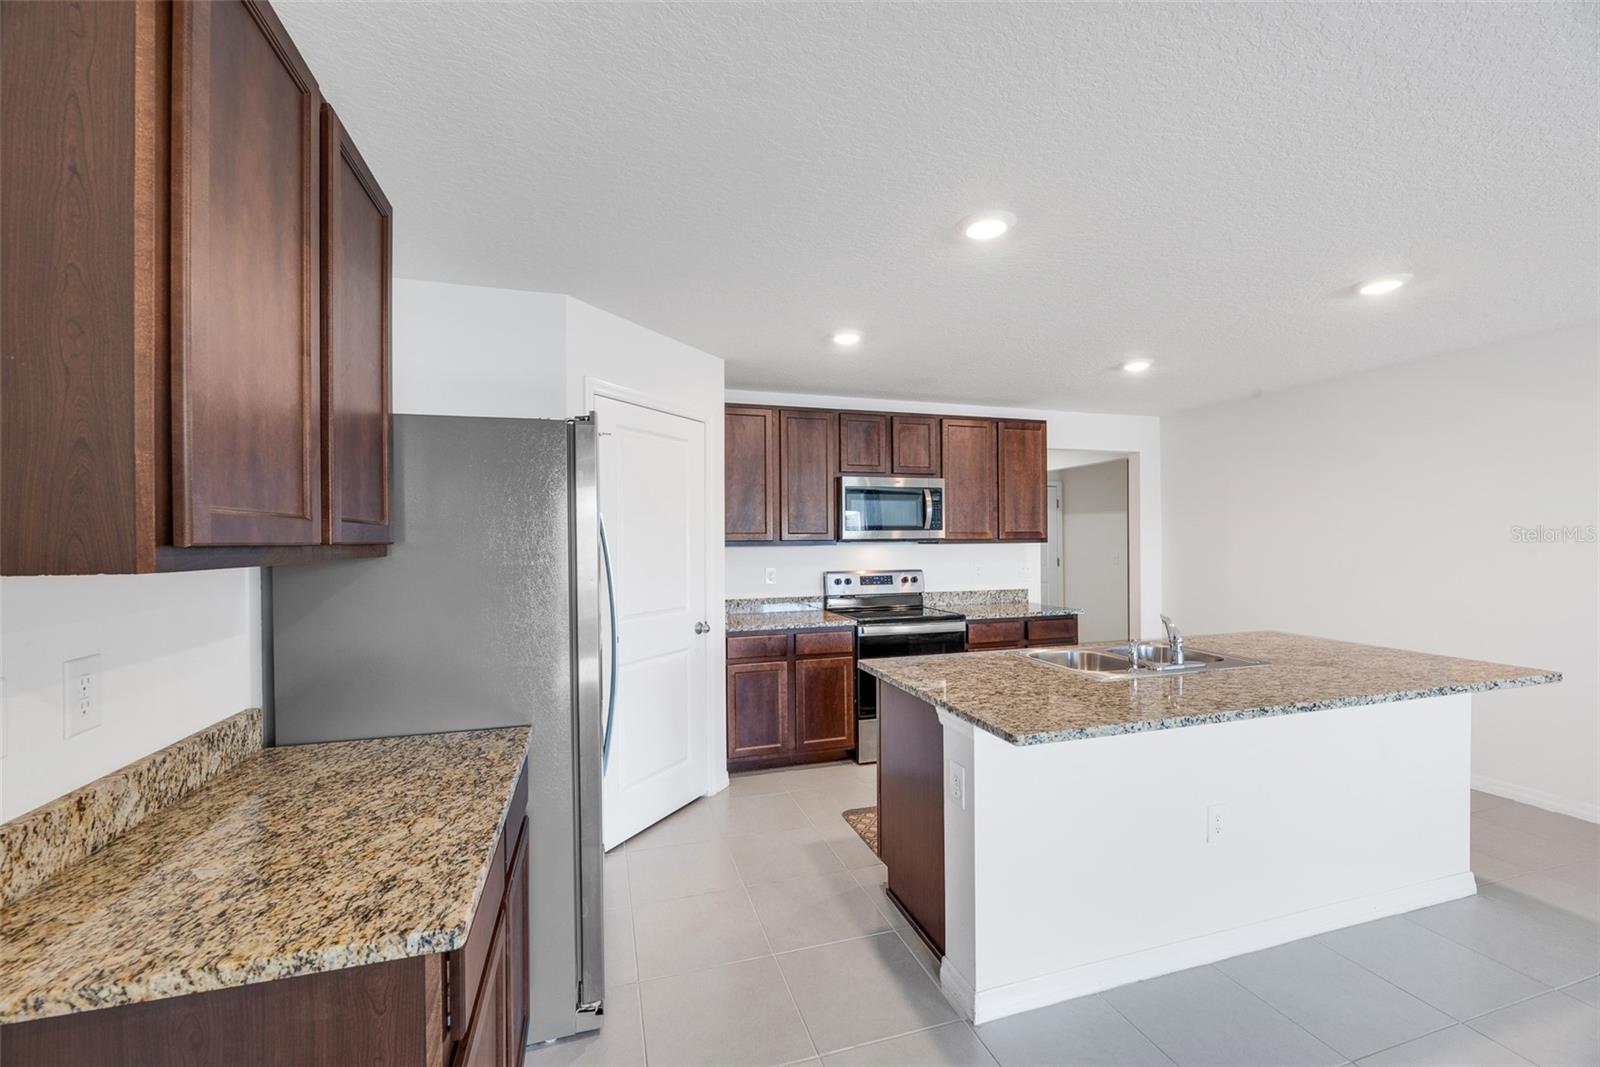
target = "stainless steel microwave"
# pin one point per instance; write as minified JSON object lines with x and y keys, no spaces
{"x":891,"y":509}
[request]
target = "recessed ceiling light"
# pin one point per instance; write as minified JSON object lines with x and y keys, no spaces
{"x":1137,"y":366}
{"x":987,"y":225}
{"x":1379,"y":286}
{"x":847,"y":338}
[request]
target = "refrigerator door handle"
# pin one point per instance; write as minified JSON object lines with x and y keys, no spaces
{"x":611,"y":690}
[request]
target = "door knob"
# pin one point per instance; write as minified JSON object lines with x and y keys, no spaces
{"x":702,"y":627}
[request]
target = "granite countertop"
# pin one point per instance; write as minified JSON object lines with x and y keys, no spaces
{"x":1012,"y":609}
{"x":1027,"y":702}
{"x":800,"y":619}
{"x":301,"y":859}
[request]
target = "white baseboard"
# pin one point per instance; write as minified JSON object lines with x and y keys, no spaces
{"x":957,"y":988}
{"x":997,"y":1003}
{"x":1539,"y":798}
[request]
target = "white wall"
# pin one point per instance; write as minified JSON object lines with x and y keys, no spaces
{"x":178,"y":652}
{"x":1380,"y":507}
{"x":470,"y":350}
{"x":998,"y":566}
{"x":1094,"y":540}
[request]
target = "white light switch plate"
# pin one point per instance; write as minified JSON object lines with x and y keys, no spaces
{"x":958,"y":784}
{"x":80,"y":695}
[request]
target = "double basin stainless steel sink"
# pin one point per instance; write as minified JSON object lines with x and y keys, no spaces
{"x":1154,"y":659}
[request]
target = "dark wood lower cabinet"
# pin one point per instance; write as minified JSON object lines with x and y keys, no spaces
{"x":791,"y":698}
{"x":402,"y":1013}
{"x":758,"y":721}
{"x":824,"y":703}
{"x":911,"y":808}
{"x":990,"y":635}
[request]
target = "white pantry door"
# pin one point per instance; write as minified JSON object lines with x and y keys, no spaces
{"x":652,"y":500}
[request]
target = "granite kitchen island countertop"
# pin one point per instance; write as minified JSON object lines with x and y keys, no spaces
{"x":1027,"y":702}
{"x":301,"y":859}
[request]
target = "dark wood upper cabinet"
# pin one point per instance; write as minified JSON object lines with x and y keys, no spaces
{"x":357,"y":250}
{"x":1023,"y":491}
{"x":807,"y":462}
{"x":916,"y":445}
{"x":246,"y":293}
{"x":971,"y":481}
{"x":750,"y":473}
{"x":161,"y":393}
{"x":863,"y":443}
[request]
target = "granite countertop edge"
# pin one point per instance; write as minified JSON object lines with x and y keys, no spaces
{"x":206,"y":978}
{"x":1259,"y":711}
{"x":750,"y":622}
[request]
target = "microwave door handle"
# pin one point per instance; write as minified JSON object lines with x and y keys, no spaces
{"x":927,"y":509}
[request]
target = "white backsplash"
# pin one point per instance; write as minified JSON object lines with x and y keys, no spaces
{"x":797,"y":569}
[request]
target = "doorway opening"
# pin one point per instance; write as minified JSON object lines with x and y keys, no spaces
{"x":1084,"y":563}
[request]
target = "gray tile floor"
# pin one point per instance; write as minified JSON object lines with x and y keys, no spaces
{"x":752,"y":928}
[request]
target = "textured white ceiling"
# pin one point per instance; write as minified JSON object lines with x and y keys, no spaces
{"x":1199,"y":183}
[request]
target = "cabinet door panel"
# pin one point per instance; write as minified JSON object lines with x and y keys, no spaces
{"x":971,"y":481}
{"x":1007,"y":633}
{"x":484,"y":1043}
{"x":750,"y":474}
{"x":824,"y":703}
{"x":1024,"y":497}
{"x":517,"y":950}
{"x":807,"y":460}
{"x":356,"y":258}
{"x":758,"y":709}
{"x":863,"y":443}
{"x":245,"y":281}
{"x":916,"y":445}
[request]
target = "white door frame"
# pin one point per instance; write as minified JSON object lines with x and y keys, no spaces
{"x":716,"y":654}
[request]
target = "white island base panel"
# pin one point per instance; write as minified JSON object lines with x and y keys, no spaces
{"x":1075,"y":867}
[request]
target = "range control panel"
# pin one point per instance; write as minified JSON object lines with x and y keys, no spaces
{"x":858,"y":582}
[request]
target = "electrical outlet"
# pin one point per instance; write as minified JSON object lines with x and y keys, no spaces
{"x":80,"y":695}
{"x":772,"y":576}
{"x":1213,"y":823}
{"x":958,"y":784}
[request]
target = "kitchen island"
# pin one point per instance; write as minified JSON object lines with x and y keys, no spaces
{"x":1052,"y":834}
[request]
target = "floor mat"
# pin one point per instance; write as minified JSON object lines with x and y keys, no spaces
{"x":864,"y":821}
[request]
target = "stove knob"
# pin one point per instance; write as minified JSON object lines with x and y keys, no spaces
{"x":913,"y":579}
{"x":847,"y":581}
{"x":904,"y":579}
{"x":836,"y":581}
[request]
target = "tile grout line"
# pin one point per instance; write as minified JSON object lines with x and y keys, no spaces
{"x":638,"y":979}
{"x":1490,"y":901}
{"x":1153,"y":1042}
{"x":1275,"y":1008}
{"x":782,"y":977}
{"x":909,"y":1033}
{"x":1317,"y":938}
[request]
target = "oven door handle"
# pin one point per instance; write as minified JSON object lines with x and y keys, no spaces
{"x":895,"y":629}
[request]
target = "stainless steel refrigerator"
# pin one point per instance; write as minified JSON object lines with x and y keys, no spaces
{"x":485,"y":613}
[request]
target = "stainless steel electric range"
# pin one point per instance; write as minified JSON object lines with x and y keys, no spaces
{"x":891,"y":620}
